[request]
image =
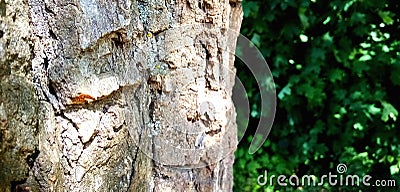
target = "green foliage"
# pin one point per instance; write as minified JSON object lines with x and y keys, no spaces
{"x":336,"y":65}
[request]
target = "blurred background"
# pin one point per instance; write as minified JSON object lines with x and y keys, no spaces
{"x":336,"y":66}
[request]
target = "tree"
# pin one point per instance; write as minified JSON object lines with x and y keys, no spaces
{"x":107,"y":95}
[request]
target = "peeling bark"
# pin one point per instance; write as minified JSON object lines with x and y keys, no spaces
{"x":117,"y":95}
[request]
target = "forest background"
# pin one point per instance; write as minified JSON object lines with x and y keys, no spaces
{"x":336,"y":65}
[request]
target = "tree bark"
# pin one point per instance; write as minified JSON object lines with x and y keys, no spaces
{"x":117,"y":95}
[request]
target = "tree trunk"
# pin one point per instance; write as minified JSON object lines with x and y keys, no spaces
{"x":117,"y":95}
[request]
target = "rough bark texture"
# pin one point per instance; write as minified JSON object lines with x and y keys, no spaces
{"x":117,"y":95}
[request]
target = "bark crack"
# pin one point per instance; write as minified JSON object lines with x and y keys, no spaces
{"x":208,"y":56}
{"x":90,"y":141}
{"x":133,"y":165}
{"x":31,"y":158}
{"x":47,"y":9}
{"x":72,"y":123}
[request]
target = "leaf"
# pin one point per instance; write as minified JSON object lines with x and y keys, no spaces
{"x":253,"y":165}
{"x":373,"y":110}
{"x":318,"y":128}
{"x":303,"y":17}
{"x":327,"y":38}
{"x":394,"y":169}
{"x":365,"y":58}
{"x":357,"y":17}
{"x":386,"y":17}
{"x":361,"y":30}
{"x":285,"y":91}
{"x":303,"y":38}
{"x":290,"y":30}
{"x":358,"y":126}
{"x":359,"y":67}
{"x":321,"y":148}
{"x":336,"y":75}
{"x":256,"y":39}
{"x":389,"y":112}
{"x":317,"y":53}
{"x":250,"y":9}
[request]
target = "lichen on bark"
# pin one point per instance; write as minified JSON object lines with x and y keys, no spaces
{"x":18,"y":101}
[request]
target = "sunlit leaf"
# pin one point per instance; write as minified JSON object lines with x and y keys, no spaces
{"x":285,"y":91}
{"x":386,"y":17}
{"x":389,"y":112}
{"x":256,"y":39}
